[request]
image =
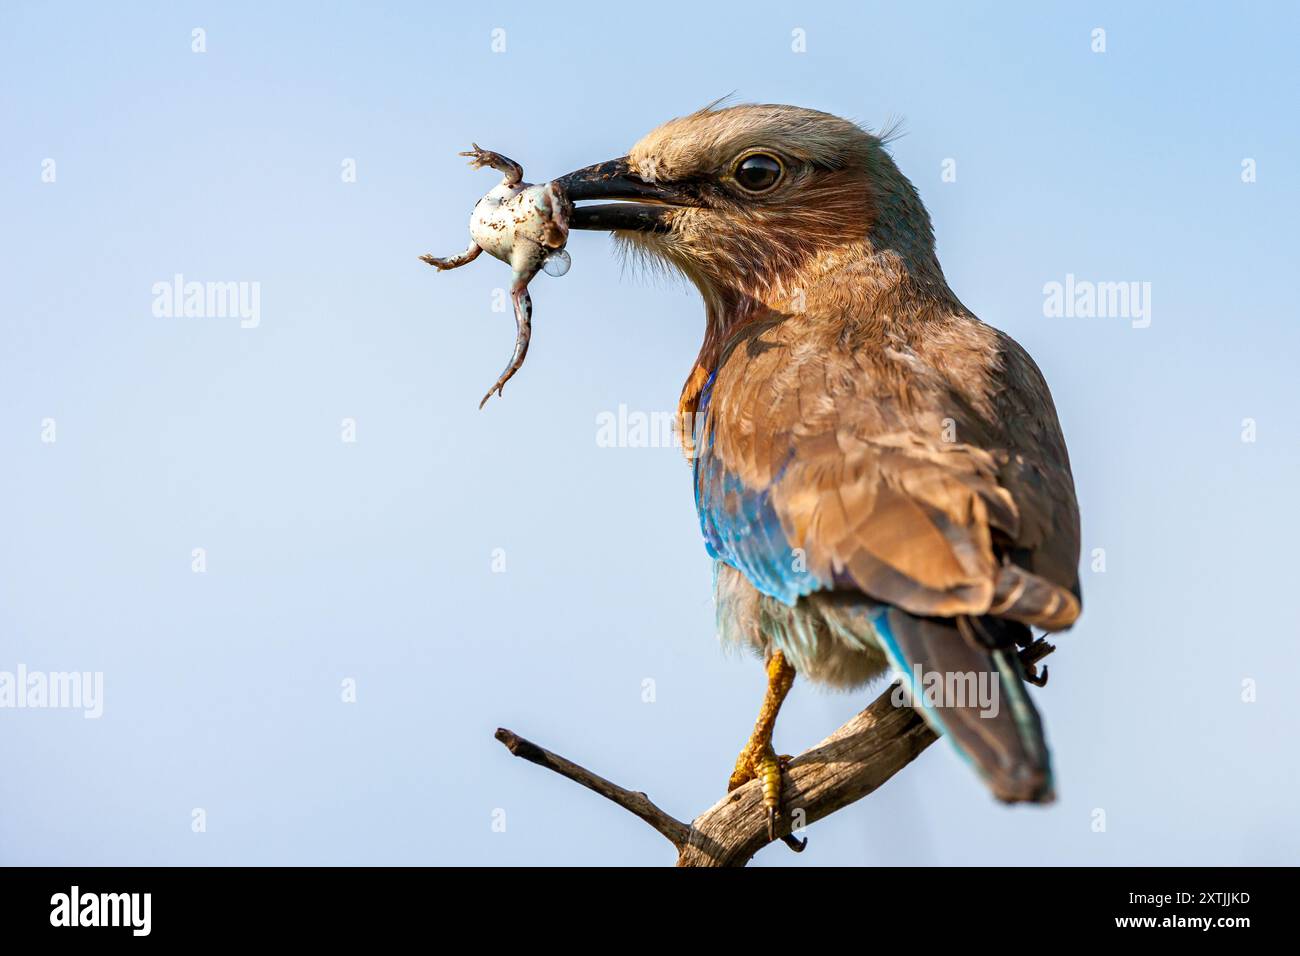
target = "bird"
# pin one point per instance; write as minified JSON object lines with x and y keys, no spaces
{"x":881,"y":478}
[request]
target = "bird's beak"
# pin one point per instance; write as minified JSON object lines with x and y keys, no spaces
{"x":649,"y":209}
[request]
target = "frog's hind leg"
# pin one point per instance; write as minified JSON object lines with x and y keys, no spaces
{"x":512,"y":172}
{"x":523,"y":331}
{"x":453,"y":262}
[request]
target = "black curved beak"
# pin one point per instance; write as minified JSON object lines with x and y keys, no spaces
{"x":649,"y":209}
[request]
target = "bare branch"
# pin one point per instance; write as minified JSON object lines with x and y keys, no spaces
{"x":845,"y":767}
{"x":630,"y":800}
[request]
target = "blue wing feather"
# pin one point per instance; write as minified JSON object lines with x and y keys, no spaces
{"x":741,"y":526}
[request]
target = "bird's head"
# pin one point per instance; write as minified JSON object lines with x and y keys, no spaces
{"x":756,"y":204}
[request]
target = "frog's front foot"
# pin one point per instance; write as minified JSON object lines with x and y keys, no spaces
{"x":479,"y":158}
{"x":452,"y":262}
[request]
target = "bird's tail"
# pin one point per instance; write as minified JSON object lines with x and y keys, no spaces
{"x":968,"y":684}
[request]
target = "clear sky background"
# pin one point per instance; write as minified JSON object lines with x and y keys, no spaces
{"x":373,"y":560}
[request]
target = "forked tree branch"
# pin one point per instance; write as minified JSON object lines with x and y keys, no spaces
{"x":845,"y":767}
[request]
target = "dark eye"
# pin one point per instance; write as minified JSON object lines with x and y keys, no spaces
{"x":758,"y":173}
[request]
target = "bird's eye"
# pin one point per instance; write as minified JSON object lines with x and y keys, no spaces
{"x":758,"y":172}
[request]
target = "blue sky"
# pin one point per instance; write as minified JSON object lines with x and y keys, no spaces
{"x":372,"y":561}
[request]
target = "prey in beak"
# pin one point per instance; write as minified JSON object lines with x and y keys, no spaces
{"x":526,"y":227}
{"x":648,"y":206}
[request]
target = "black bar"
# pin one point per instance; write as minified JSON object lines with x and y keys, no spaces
{"x":333,"y":905}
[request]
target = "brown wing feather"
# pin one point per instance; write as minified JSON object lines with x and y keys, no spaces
{"x":924,"y":466}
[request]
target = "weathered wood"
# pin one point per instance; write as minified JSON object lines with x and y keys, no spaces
{"x":845,"y":767}
{"x":630,"y":800}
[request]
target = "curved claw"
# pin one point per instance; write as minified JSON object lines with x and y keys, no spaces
{"x":794,"y":843}
{"x":774,"y":814}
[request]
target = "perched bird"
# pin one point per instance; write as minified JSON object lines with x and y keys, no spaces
{"x":880,"y":476}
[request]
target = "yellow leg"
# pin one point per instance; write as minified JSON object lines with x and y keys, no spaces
{"x":758,"y":761}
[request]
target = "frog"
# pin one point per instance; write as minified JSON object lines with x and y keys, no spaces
{"x":524,"y":225}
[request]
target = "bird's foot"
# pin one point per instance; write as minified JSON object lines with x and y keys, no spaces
{"x":1030,"y":655}
{"x":1033,"y":677}
{"x":758,"y":761}
{"x":440,"y":264}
